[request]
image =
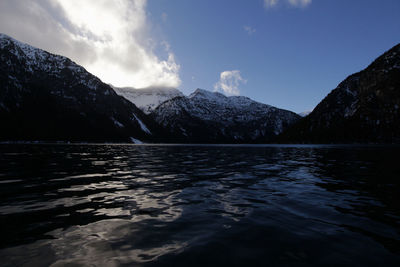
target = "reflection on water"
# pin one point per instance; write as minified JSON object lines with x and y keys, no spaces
{"x":114,"y":205}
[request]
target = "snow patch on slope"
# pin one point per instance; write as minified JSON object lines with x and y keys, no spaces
{"x":117,"y":123}
{"x":136,"y":141}
{"x":142,"y":125}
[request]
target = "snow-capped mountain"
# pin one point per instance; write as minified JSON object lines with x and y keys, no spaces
{"x":304,"y":113}
{"x":207,"y":116}
{"x":364,"y":108}
{"x":147,"y":99}
{"x":48,"y":97}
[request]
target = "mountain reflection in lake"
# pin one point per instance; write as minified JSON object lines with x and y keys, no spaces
{"x":113,"y":205}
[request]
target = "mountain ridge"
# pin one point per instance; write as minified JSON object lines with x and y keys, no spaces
{"x":45,"y":96}
{"x":212,"y":116}
{"x":364,"y":108}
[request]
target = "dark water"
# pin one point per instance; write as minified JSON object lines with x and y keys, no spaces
{"x":122,"y":205}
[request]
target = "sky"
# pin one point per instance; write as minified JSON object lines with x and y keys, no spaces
{"x":286,"y":53}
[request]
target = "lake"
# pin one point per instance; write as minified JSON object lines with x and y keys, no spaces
{"x":188,"y":205}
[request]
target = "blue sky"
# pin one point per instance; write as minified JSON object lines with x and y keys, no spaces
{"x":286,"y":53}
{"x":290,"y":56}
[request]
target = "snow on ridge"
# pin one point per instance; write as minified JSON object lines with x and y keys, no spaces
{"x":36,"y":59}
{"x":224,"y":100}
{"x":204,"y":94}
{"x":34,"y":54}
{"x":214,"y":106}
{"x":148,"y":99}
{"x":223,"y":113}
{"x":304,"y":113}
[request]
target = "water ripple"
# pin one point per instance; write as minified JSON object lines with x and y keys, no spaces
{"x":199,"y":205}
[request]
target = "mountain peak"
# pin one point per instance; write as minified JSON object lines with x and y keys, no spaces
{"x":388,"y":61}
{"x":201,"y":93}
{"x":304,"y":113}
{"x":35,"y":59}
{"x":207,"y":116}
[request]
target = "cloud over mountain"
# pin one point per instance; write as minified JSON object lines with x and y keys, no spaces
{"x":112,"y":39}
{"x":229,"y":82}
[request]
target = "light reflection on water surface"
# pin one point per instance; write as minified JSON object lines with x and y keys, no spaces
{"x":199,"y":205}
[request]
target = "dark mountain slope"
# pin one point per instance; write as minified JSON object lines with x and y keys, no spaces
{"x":364,"y":108}
{"x":49,"y":97}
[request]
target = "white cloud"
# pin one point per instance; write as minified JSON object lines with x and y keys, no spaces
{"x":249,"y":30}
{"x":229,"y":82}
{"x":109,"y":38}
{"x":270,"y":3}
{"x":294,"y":3}
{"x":300,"y":3}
